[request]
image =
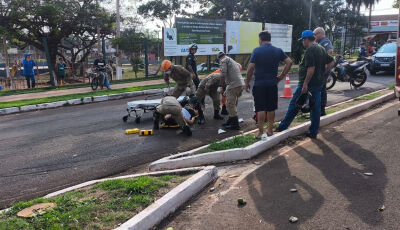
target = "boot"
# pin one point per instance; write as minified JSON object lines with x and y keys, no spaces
{"x":186,"y":130}
{"x":227,"y":123}
{"x":234,"y":124}
{"x":217,"y":116}
{"x":224,"y":111}
{"x":156,"y":119}
{"x":201,"y":116}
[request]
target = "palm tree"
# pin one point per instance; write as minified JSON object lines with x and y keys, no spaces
{"x":356,"y":5}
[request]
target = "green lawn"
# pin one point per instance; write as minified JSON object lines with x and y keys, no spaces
{"x":101,"y":206}
{"x":369,"y":96}
{"x":19,"y":103}
{"x":236,"y":142}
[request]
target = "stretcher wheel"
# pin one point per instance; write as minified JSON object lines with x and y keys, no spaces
{"x":125,"y":118}
{"x":137,"y":120}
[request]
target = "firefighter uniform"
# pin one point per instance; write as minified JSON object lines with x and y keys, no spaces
{"x":183,"y":79}
{"x":209,"y":85}
{"x":170,"y":105}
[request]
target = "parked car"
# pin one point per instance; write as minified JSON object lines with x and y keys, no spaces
{"x":384,"y":58}
{"x":203,"y":67}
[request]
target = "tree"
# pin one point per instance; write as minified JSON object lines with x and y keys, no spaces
{"x":396,"y":4}
{"x":54,"y":20}
{"x":163,"y":10}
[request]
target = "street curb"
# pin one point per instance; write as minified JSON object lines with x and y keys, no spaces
{"x":78,"y":101}
{"x":187,"y":159}
{"x":171,"y":201}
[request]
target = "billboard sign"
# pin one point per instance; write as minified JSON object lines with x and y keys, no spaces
{"x":242,"y":37}
{"x":281,"y":35}
{"x":207,"y":34}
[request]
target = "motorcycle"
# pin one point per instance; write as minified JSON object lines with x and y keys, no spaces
{"x":355,"y":73}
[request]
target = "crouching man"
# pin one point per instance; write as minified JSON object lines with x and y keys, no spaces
{"x":171,"y":108}
{"x":180,"y":75}
{"x":209,"y":86}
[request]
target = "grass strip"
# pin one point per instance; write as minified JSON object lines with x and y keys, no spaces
{"x":391,"y":86}
{"x":19,"y":103}
{"x":236,"y":142}
{"x":369,"y":96}
{"x":101,"y":206}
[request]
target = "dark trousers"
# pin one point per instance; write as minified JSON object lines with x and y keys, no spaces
{"x":30,"y":78}
{"x":196,"y":81}
{"x":324,"y":98}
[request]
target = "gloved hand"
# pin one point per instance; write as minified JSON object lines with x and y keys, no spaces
{"x":219,"y":90}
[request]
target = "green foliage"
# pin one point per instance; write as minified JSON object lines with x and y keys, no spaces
{"x":336,"y":45}
{"x":236,"y":142}
{"x":137,"y":64}
{"x":163,"y":10}
{"x":369,"y":96}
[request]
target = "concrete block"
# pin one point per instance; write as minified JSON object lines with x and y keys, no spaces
{"x":133,"y":94}
{"x":152,"y":91}
{"x":75,"y":101}
{"x":100,"y":98}
{"x":116,"y":96}
{"x":9,"y":110}
{"x":87,"y":100}
{"x":27,"y":108}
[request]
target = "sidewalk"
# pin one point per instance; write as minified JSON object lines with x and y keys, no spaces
{"x":53,"y":93}
{"x":333,"y":191}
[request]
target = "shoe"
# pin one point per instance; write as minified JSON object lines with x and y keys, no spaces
{"x":224,"y":111}
{"x":234,"y":124}
{"x":217,"y":116}
{"x":311,"y":136}
{"x":228,"y":122}
{"x":323,"y":113}
{"x":277,"y":130}
{"x":187,"y":130}
{"x":201,"y":120}
{"x":156,"y":118}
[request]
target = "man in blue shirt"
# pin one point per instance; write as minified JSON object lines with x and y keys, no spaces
{"x":264,"y":64}
{"x":29,"y":72}
{"x":319,"y":34}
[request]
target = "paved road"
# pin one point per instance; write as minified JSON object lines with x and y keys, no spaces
{"x":329,"y":174}
{"x":47,"y":150}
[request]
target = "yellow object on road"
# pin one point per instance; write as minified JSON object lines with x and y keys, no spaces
{"x":131,"y":131}
{"x":146,"y":132}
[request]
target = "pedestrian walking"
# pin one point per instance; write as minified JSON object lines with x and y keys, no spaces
{"x":191,"y":65}
{"x":319,"y":34}
{"x":61,"y":66}
{"x":232,"y":81}
{"x":209,"y":86}
{"x":264,"y":63}
{"x":314,"y":64}
{"x":29,"y":72}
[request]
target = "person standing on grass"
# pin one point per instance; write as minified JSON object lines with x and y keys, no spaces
{"x":61,"y":66}
{"x":311,"y":71}
{"x":264,"y":63}
{"x":319,"y":34}
{"x":29,"y":72}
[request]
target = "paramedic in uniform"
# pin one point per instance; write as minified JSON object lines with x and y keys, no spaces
{"x":191,"y":65}
{"x":180,"y":75}
{"x":170,"y":106}
{"x":231,"y":77}
{"x":209,"y":85}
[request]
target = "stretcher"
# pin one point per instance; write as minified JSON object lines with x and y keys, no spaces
{"x":140,"y":107}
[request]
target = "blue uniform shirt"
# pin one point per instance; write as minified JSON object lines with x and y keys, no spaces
{"x":28,"y":67}
{"x":266,"y":58}
{"x":326,"y":43}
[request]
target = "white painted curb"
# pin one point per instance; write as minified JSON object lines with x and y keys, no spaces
{"x":188,"y":159}
{"x":167,"y":204}
{"x":78,"y":101}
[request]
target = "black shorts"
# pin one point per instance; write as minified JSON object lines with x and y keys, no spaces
{"x":265,"y":98}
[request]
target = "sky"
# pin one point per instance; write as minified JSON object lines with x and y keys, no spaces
{"x":382,"y":7}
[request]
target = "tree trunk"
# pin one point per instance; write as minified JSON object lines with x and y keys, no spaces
{"x":229,"y":9}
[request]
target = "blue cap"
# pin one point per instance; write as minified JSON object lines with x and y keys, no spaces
{"x":306,"y":34}
{"x":27,"y":54}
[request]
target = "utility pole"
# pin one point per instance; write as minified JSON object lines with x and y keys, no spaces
{"x":98,"y":35}
{"x":309,"y":20}
{"x":369,"y":19}
{"x":118,"y":34}
{"x":6,"y":56}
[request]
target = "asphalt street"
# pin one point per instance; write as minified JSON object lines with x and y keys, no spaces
{"x":346,"y":179}
{"x":44,"y":151}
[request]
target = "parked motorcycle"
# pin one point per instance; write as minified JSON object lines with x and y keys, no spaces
{"x":355,"y":73}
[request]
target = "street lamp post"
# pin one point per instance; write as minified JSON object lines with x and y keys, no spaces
{"x":118,"y":34}
{"x":309,"y":20}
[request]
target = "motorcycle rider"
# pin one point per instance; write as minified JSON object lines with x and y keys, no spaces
{"x":100,"y":65}
{"x":363,"y":51}
{"x":191,"y":65}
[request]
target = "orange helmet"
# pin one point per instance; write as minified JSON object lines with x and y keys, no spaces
{"x":165,"y":65}
{"x":216,"y":71}
{"x":240,"y":67}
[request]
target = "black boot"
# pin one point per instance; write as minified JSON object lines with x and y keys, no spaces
{"x":234,"y":124}
{"x":201,"y":115}
{"x":217,"y":116}
{"x":227,"y":123}
{"x":156,"y":120}
{"x":224,"y":111}
{"x":186,"y":130}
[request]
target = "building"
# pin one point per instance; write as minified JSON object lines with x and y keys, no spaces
{"x":383,"y":28}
